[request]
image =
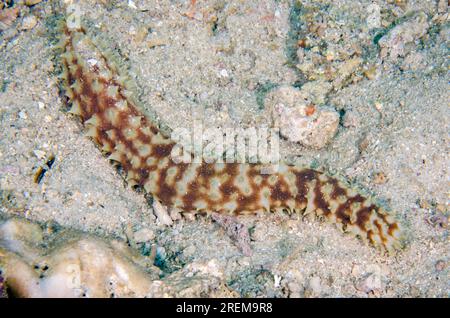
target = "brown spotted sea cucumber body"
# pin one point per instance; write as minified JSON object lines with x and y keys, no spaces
{"x":97,"y":94}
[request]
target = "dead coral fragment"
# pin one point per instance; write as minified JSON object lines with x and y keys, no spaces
{"x":78,"y":267}
{"x":301,"y":121}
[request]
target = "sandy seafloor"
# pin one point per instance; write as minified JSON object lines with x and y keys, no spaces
{"x":177,"y":67}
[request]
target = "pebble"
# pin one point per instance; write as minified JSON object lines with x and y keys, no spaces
{"x":374,"y":16}
{"x":414,"y":292}
{"x":161,"y":253}
{"x":369,"y":284}
{"x":294,"y":289}
{"x":315,"y":285}
{"x":300,"y":120}
{"x":316,"y":91}
{"x":7,"y":17}
{"x":210,"y":268}
{"x":371,"y":72}
{"x":156,"y":42}
{"x":224,"y":73}
{"x":370,"y":281}
{"x":141,"y":34}
{"x":131,"y":4}
{"x":311,"y":131}
{"x":143,"y":235}
{"x":395,"y":42}
{"x":440,"y":265}
{"x":413,"y":61}
{"x":441,"y":207}
{"x":260,"y":232}
{"x":39,"y":154}
{"x":379,"y":107}
{"x":438,"y":220}
{"x":350,"y":120}
{"x":189,"y":251}
{"x":379,"y":178}
{"x":175,"y":213}
{"x":442,"y":6}
{"x":23,"y":115}
{"x":161,"y":213}
{"x":29,"y":22}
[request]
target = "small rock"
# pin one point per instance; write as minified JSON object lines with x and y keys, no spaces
{"x":371,"y":72}
{"x":223,"y":73}
{"x":396,"y":42}
{"x":414,"y":292}
{"x":141,"y":34}
{"x":369,"y":284}
{"x":442,"y":6}
{"x":287,"y":96}
{"x":300,"y":120}
{"x":7,"y":17}
{"x":348,"y":67}
{"x":161,"y":213}
{"x":374,"y":16}
{"x":131,"y":4}
{"x":441,"y":207}
{"x":143,"y":235}
{"x":316,"y":91}
{"x":413,"y":61}
{"x":379,"y":178}
{"x":277,"y":281}
{"x":23,"y":115}
{"x":350,"y":120}
{"x":438,"y":219}
{"x":294,"y":289}
{"x":175,"y":213}
{"x":315,"y":130}
{"x":424,"y":204}
{"x":209,"y":268}
{"x":260,"y":232}
{"x":189,"y":251}
{"x":371,"y":281}
{"x":315,"y":285}
{"x":161,"y":253}
{"x":29,"y":22}
{"x":379,"y":107}
{"x":156,"y":42}
{"x":356,"y":270}
{"x":440,"y":265}
{"x":39,"y":154}
{"x":364,"y":143}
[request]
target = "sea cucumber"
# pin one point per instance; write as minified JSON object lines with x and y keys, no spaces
{"x":98,"y":95}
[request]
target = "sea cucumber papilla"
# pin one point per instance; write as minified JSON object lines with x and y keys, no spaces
{"x":97,"y":94}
